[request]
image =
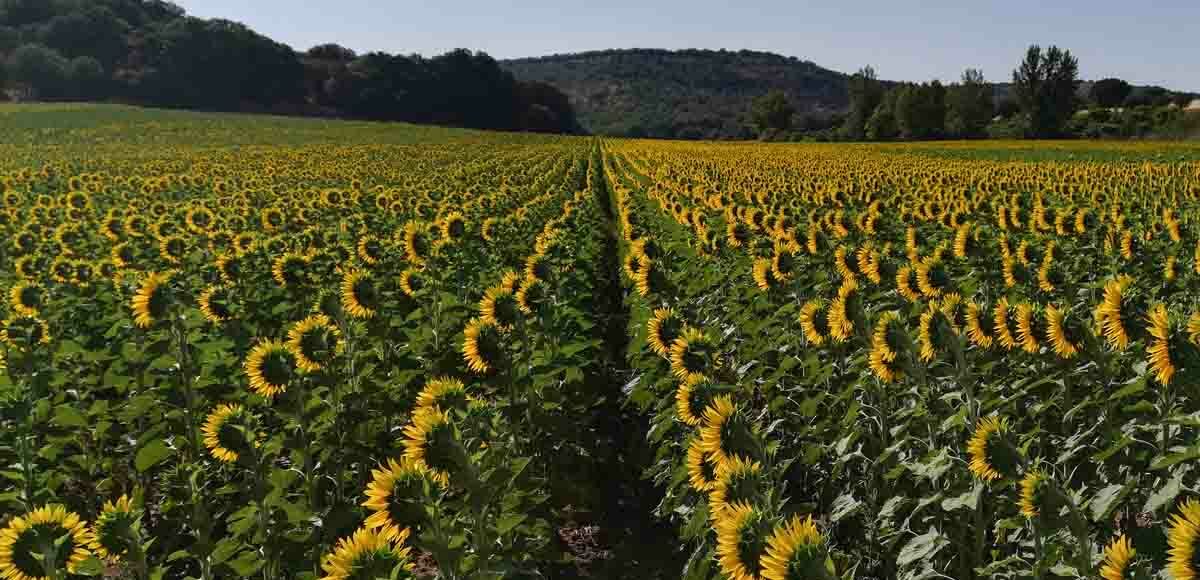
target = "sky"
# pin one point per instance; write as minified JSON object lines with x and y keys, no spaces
{"x":917,"y":40}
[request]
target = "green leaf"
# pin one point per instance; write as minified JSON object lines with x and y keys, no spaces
{"x":922,"y":547}
{"x":1106,"y":500}
{"x":246,"y":564}
{"x":509,"y":521}
{"x":151,"y":454}
{"x":1164,"y":495}
{"x":843,"y":506}
{"x":68,"y":416}
{"x":89,"y":567}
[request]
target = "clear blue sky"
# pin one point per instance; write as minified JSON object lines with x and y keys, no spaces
{"x":1154,"y":43}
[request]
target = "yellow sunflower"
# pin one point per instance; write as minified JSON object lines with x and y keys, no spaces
{"x":1033,"y":492}
{"x":395,"y":497}
{"x":22,"y":538}
{"x":482,"y":347}
{"x":25,"y":298}
{"x":725,"y":433}
{"x":152,"y":299}
{"x":430,"y":444}
{"x":224,"y":432}
{"x":412,"y":281}
{"x":1182,"y":537}
{"x":739,"y":480}
{"x":214,"y":304}
{"x":1000,"y":321}
{"x":741,"y":541}
{"x":794,"y":550}
{"x":1110,"y":312}
{"x":114,"y":530}
{"x":662,"y":329}
{"x":1026,"y":332}
{"x":904,"y":284}
{"x":884,"y":347}
{"x":701,"y":473}
{"x":269,"y":368}
{"x":1159,"y":351}
{"x":289,"y":269}
{"x":1057,"y":333}
{"x":368,"y":554}
{"x":693,"y":355}
{"x":812,"y":318}
{"x":442,"y":393}
{"x":992,"y":457}
{"x":360,"y":298}
{"x":499,"y":307}
{"x":1117,"y":556}
{"x":314,"y":342}
{"x":532,"y":294}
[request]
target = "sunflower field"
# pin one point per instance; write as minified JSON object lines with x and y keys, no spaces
{"x":253,"y":347}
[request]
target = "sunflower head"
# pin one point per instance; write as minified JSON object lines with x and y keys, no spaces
{"x":727,"y":433}
{"x":116,"y":529}
{"x":370,"y":250}
{"x":360,"y":296}
{"x":291,"y":269}
{"x":417,"y":242}
{"x":26,"y":298}
{"x":367,"y":555}
{"x":1030,"y":326}
{"x":887,"y":342}
{"x":694,"y":355}
{"x":795,"y":550}
{"x":1039,"y":497}
{"x":499,"y":306}
{"x":993,"y":456}
{"x":483,"y":347}
{"x":532,"y":295}
{"x":270,"y":368}
{"x":216,"y":304}
{"x":693,"y":397}
{"x":229,"y":432}
{"x":24,"y":540}
{"x":431,"y":444}
{"x":443,"y":393}
{"x":702,"y":474}
{"x":1117,"y":557}
{"x":412,"y":282}
{"x":396,"y":497}
{"x":742,"y":534}
{"x":314,"y":341}
{"x":1159,"y":349}
{"x":1182,"y":537}
{"x":24,"y":332}
{"x":1062,"y":332}
{"x":739,"y":480}
{"x":664,"y":326}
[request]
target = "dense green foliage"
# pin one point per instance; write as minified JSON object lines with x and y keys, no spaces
{"x":685,"y":94}
{"x":151,"y":52}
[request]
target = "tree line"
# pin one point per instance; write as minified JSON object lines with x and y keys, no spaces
{"x":151,"y":52}
{"x":1044,"y":101}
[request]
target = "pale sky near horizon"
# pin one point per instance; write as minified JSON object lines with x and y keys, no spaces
{"x":1153,"y":43}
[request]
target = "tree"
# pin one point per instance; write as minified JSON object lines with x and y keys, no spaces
{"x":920,"y":110}
{"x":331,"y":51}
{"x":41,"y":70}
{"x":881,"y":126}
{"x":772,"y":112}
{"x":866,"y":92}
{"x":969,"y":106}
{"x":1110,"y":92}
{"x":85,"y":76}
{"x":1045,"y":85}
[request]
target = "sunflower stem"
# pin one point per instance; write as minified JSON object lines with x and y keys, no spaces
{"x":189,"y":395}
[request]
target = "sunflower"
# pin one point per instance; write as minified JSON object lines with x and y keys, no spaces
{"x":931,"y":277}
{"x":725,"y":433}
{"x":1057,"y":333}
{"x":1034,"y":492}
{"x":370,"y":250}
{"x":841,"y":327}
{"x":1026,"y":332}
{"x":416,"y":242}
{"x":928,"y":333}
{"x":978,"y":327}
{"x":739,"y":480}
{"x":269,"y":368}
{"x":701,"y":473}
{"x":1000,"y":321}
{"x":992,"y":456}
{"x":214,"y":304}
{"x":841,"y":260}
{"x":367,"y":555}
{"x":225,"y":431}
{"x":794,"y":550}
{"x":693,"y":355}
{"x":1182,"y":537}
{"x":884,"y":347}
{"x":314,"y":342}
{"x":412,"y":281}
{"x":1117,"y":556}
{"x":1110,"y":312}
{"x":692,"y":398}
{"x":741,"y":541}
{"x":289,"y":269}
{"x":647,"y":279}
{"x":152,"y":299}
{"x":21,"y":543}
{"x":663,"y":328}
{"x":115,"y":529}
{"x":172,"y":249}
{"x":442,"y":393}
{"x":1159,"y":350}
{"x":431,"y":446}
{"x":360,"y":298}
{"x":538,"y":266}
{"x":453,"y":226}
{"x":499,"y":307}
{"x":812,"y":318}
{"x":763,"y":276}
{"x":483,"y":349}
{"x":532,"y":294}
{"x":25,"y":298}
{"x":904,"y":284}
{"x":395,"y":497}
{"x":783,"y":263}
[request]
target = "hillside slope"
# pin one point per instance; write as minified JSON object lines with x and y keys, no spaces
{"x":681,"y":94}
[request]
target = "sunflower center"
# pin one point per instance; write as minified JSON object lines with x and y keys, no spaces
{"x":31,"y":544}
{"x":317,"y":344}
{"x":277,"y":368}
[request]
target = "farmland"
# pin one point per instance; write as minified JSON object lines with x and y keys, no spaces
{"x":240,"y":346}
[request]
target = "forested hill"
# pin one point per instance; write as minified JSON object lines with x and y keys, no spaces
{"x":152,"y":52}
{"x":681,"y":94}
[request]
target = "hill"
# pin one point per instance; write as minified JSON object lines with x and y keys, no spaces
{"x":680,"y":94}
